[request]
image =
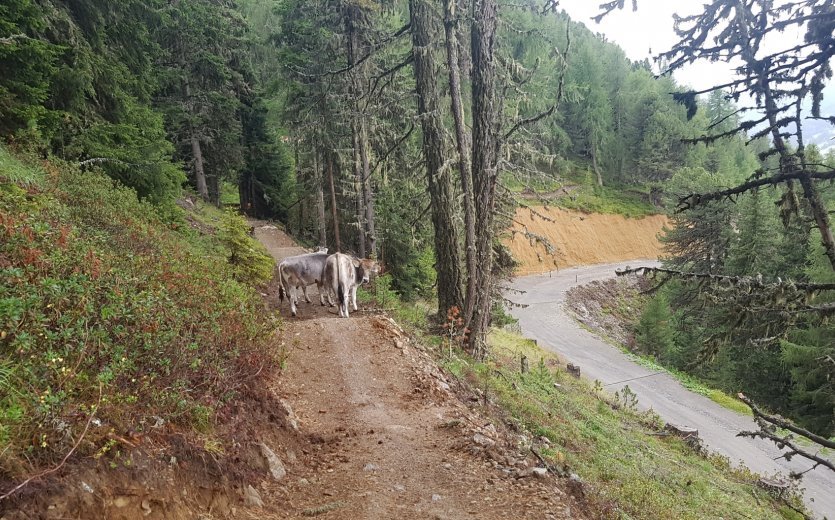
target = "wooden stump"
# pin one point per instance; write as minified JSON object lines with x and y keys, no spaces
{"x":689,"y":435}
{"x":775,"y":486}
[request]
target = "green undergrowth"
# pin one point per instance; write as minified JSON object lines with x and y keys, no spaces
{"x":413,"y":315}
{"x":632,"y":472}
{"x":117,"y":309}
{"x":580,"y":192}
{"x":606,"y":199}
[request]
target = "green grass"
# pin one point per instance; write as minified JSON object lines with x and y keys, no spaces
{"x":413,"y":315}
{"x":585,"y":195}
{"x":229,"y":194}
{"x":633,"y":473}
{"x":538,"y":185}
{"x":15,"y":172}
{"x":607,"y":200}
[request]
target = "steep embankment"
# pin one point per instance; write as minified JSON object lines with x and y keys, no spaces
{"x":134,"y":350}
{"x":580,"y":238}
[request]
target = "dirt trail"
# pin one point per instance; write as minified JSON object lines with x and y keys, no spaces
{"x":581,"y":239}
{"x":389,"y":435}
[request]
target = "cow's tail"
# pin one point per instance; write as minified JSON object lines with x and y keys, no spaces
{"x":281,"y":291}
{"x":340,"y":290}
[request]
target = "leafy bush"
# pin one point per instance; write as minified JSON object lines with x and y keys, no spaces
{"x":101,"y":302}
{"x":251,"y":261}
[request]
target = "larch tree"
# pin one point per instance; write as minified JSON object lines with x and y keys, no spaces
{"x":775,"y":88}
{"x":425,"y":20}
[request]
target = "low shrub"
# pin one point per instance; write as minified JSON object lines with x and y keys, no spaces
{"x":104,"y":304}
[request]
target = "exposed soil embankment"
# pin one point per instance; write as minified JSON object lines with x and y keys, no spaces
{"x":580,"y":239}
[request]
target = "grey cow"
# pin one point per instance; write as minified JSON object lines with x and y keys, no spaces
{"x":343,"y":274}
{"x":301,"y":271}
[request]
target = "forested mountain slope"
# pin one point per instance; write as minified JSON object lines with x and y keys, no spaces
{"x":405,"y":131}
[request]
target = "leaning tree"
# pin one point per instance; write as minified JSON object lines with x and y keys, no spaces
{"x":778,"y":92}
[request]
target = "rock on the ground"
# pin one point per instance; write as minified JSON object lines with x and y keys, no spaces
{"x":121,"y":502}
{"x":252,"y":498}
{"x":483,"y":440}
{"x":274,"y":464}
{"x":291,"y":415}
{"x":539,"y":472}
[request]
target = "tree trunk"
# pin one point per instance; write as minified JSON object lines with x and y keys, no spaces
{"x":596,"y":166}
{"x":199,"y":170}
{"x":320,"y":200}
{"x":299,"y":188}
{"x":360,"y":155}
{"x":367,"y":191}
{"x":214,"y":183}
{"x":196,"y":152}
{"x":463,"y":142}
{"x":357,"y":164}
{"x":334,"y":210}
{"x":486,"y":112}
{"x":816,"y":207}
{"x":448,"y":261}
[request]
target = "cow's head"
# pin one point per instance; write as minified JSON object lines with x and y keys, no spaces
{"x":365,"y":268}
{"x":322,"y":249}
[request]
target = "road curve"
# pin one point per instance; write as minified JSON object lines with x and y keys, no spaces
{"x":546,"y":320}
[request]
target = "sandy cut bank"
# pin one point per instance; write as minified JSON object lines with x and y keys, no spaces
{"x":580,"y":238}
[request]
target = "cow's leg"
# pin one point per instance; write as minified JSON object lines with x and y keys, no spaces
{"x":354,"y":297}
{"x":344,"y":303}
{"x":292,"y":297}
{"x":304,"y":290}
{"x":321,"y":287}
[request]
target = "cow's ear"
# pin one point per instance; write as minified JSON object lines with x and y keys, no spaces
{"x":356,"y":262}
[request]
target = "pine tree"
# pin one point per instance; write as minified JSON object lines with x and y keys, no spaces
{"x":655,"y":333}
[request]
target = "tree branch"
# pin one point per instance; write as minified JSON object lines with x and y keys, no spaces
{"x":530,"y":120}
{"x":696,"y":199}
{"x":734,"y":280}
{"x":768,"y":425}
{"x":393,"y":148}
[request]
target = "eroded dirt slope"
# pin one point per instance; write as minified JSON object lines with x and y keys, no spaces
{"x":390,"y":436}
{"x":581,"y":239}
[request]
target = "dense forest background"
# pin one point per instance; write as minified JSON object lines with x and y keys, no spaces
{"x":338,"y":119}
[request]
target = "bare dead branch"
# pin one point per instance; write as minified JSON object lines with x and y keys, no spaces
{"x":752,"y":281}
{"x":768,"y":425}
{"x":696,"y":199}
{"x":44,"y":473}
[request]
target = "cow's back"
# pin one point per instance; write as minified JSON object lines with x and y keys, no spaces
{"x":306,"y":269}
{"x":338,"y":269}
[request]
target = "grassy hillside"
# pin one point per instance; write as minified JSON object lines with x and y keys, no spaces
{"x":574,"y":187}
{"x":631,"y":472}
{"x":116,"y":313}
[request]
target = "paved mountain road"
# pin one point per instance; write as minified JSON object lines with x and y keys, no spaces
{"x":546,"y":320}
